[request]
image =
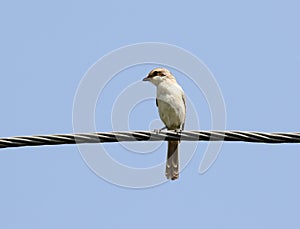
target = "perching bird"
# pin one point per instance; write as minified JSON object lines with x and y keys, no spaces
{"x":170,"y":100}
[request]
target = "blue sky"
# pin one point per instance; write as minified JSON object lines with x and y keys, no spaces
{"x":252,"y":48}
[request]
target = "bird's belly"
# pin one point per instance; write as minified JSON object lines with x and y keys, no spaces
{"x":171,"y":114}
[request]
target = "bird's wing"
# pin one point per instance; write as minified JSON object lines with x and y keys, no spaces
{"x":183,"y":99}
{"x":184,"y":102}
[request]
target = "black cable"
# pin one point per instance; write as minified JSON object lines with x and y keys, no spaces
{"x":100,"y":137}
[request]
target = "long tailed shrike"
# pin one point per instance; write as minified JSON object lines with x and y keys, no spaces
{"x":170,"y":100}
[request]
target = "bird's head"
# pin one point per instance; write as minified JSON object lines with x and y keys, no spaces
{"x":158,"y":75}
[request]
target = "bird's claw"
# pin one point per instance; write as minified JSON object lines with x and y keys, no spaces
{"x":157,"y":131}
{"x":178,"y":131}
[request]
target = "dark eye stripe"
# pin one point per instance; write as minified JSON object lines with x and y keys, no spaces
{"x":156,"y":73}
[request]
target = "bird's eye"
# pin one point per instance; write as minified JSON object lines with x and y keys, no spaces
{"x":155,"y":73}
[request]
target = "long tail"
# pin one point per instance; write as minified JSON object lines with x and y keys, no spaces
{"x":172,"y":165}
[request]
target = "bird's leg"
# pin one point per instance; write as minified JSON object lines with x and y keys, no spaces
{"x":157,"y":131}
{"x":163,"y":128}
{"x":178,"y":131}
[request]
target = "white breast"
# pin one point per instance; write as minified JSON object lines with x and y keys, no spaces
{"x":171,"y":105}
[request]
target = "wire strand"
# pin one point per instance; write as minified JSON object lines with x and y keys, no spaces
{"x":101,"y":137}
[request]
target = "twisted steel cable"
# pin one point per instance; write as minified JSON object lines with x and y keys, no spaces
{"x":100,"y":137}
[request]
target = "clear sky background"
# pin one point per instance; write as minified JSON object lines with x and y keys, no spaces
{"x":251,"y":47}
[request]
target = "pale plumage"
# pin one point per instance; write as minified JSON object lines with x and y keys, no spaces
{"x":170,"y":100}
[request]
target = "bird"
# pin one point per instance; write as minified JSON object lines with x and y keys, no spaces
{"x":171,"y":103}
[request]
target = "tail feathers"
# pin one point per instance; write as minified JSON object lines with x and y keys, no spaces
{"x":172,"y":164}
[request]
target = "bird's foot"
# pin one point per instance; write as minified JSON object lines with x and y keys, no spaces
{"x":157,"y":131}
{"x":178,"y":131}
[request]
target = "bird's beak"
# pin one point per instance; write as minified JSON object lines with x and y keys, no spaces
{"x":146,"y":79}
